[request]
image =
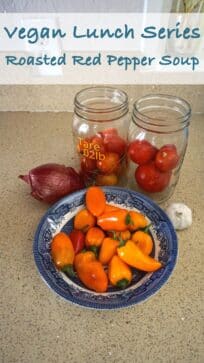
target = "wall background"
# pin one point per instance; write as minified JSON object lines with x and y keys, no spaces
{"x":85,"y":5}
{"x":57,"y":98}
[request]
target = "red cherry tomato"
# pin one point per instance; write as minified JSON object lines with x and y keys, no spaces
{"x":167,"y":158}
{"x":141,"y":151}
{"x":110,"y":164}
{"x":115,"y":144}
{"x":110,"y":132}
{"x":98,"y":135}
{"x":78,"y":240}
{"x":150,"y":179}
{"x":110,"y":179}
{"x":82,"y":143}
{"x":98,"y":140}
{"x":87,"y":165}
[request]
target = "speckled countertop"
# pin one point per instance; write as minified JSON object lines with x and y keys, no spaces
{"x":36,"y":325}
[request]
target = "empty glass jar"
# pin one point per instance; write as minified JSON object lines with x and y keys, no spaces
{"x":100,"y":129}
{"x":158,"y":139}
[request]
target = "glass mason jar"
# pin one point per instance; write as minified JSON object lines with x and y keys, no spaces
{"x":100,"y":129}
{"x":158,"y":139}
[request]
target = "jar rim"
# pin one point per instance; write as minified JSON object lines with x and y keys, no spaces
{"x":87,"y":108}
{"x":162,"y":96}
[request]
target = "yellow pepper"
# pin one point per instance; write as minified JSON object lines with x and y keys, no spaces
{"x":131,"y":254}
{"x":119,"y":273}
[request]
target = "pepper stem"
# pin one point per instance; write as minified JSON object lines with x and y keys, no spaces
{"x":122,"y":242}
{"x":146,"y":229}
{"x":94,"y":249}
{"x":68,"y":270}
{"x":83,"y":250}
{"x":128,"y":220}
{"x":122,"y":284}
{"x":114,"y":235}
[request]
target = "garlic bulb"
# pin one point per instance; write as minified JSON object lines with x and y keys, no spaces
{"x":180,"y":215}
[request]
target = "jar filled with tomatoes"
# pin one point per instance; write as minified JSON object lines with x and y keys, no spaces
{"x":158,"y":138}
{"x":100,"y":129}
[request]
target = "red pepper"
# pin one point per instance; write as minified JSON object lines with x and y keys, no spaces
{"x":78,"y":240}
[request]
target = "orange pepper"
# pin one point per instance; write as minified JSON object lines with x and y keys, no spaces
{"x":113,"y":221}
{"x":119,"y":273}
{"x":84,"y":220}
{"x":83,"y":258}
{"x":62,"y":252}
{"x":136,"y":220}
{"x":133,"y":256}
{"x":107,"y":250}
{"x":94,"y":237}
{"x":124,"y":235}
{"x":110,"y":208}
{"x":144,"y":241}
{"x":95,"y":200}
{"x":91,"y":272}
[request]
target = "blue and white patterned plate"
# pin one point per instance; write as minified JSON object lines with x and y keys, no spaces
{"x":60,"y":218}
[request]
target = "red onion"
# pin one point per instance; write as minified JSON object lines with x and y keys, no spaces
{"x":50,"y":182}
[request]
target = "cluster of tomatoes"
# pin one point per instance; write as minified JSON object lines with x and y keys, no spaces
{"x":102,"y":157}
{"x":154,"y":169}
{"x":103,"y":160}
